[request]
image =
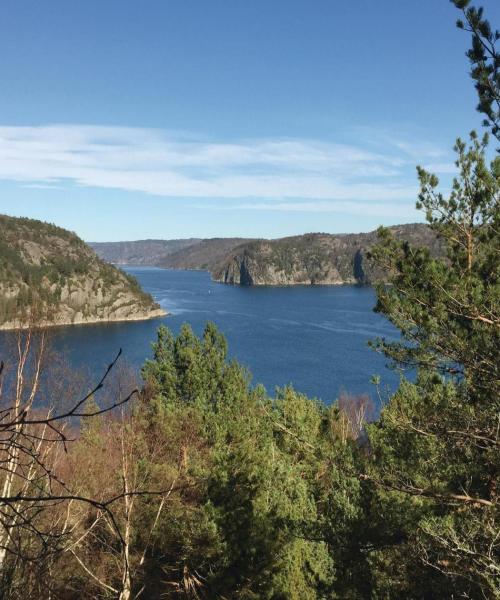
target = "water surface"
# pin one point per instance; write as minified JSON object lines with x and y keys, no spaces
{"x":312,"y":337}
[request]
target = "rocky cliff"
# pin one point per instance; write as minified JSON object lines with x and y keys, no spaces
{"x":313,"y":259}
{"x":49,"y":275}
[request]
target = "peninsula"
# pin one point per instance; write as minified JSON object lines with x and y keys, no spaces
{"x":49,"y":276}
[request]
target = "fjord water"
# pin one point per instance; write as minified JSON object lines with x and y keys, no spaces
{"x":312,"y":337}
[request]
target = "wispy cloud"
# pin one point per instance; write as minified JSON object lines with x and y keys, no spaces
{"x":378,"y":209}
{"x":445,"y":168}
{"x":318,"y":176}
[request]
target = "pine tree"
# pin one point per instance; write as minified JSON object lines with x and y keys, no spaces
{"x":436,"y":446}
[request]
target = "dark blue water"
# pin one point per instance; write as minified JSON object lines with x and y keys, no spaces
{"x":312,"y":337}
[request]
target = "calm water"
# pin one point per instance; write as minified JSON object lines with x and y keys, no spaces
{"x":313,"y":337}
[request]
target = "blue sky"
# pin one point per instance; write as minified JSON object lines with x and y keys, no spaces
{"x":179,"y":118}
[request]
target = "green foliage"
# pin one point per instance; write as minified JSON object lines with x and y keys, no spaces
{"x":485,"y":62}
{"x":448,"y":309}
{"x":436,"y":446}
{"x":277,"y":488}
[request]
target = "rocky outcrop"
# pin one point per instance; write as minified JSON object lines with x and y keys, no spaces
{"x":80,"y":304}
{"x":294,"y":262}
{"x":252,"y":270}
{"x":314,"y":259}
{"x":49,"y":276}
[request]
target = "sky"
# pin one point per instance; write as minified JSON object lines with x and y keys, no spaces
{"x":125,"y":120}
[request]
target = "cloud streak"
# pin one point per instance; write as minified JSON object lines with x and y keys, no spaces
{"x":317,"y":176}
{"x":377,"y":209}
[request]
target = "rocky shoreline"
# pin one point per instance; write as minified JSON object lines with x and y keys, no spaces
{"x":15,"y":325}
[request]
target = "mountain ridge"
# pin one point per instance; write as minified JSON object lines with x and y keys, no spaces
{"x":307,"y":259}
{"x":140,"y":252}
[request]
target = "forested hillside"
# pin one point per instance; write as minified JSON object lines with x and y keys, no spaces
{"x":49,"y":274}
{"x":316,"y":258}
{"x":140,"y":252}
{"x":206,"y":255}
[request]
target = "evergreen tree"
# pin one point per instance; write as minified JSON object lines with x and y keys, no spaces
{"x":436,"y":447}
{"x":274,"y":490}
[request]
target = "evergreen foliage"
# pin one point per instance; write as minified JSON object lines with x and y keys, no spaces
{"x":437,"y":440}
{"x":265,"y":470}
{"x":485,"y":62}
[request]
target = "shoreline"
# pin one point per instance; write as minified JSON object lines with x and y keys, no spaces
{"x":274,"y":285}
{"x":12,"y":326}
{"x":292,"y":284}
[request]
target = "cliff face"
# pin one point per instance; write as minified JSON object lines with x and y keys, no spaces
{"x":294,"y":262}
{"x":49,"y":275}
{"x":313,"y":259}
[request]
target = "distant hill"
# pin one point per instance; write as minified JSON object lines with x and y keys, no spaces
{"x":206,"y":255}
{"x":49,"y":273}
{"x":313,"y":258}
{"x":141,"y":252}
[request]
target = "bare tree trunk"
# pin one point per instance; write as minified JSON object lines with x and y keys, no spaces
{"x":10,"y":446}
{"x":129,"y":502}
